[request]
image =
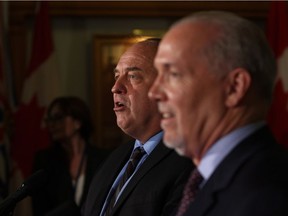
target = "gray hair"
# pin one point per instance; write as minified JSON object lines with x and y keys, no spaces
{"x":240,"y":43}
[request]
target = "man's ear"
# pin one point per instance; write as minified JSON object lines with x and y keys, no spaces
{"x":238,"y":83}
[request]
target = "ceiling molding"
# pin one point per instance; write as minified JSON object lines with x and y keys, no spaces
{"x":253,"y":10}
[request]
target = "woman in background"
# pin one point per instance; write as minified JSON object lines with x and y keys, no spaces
{"x":70,"y":162}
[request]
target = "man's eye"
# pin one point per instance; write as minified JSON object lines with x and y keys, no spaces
{"x":116,"y":77}
{"x":174,"y":74}
{"x":132,"y":76}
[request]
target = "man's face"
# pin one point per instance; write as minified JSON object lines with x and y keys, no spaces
{"x":190,"y":97}
{"x":137,"y":115}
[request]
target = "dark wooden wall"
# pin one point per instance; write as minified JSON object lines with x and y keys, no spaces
{"x":19,"y":12}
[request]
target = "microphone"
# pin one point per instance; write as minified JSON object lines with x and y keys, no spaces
{"x":28,"y":188}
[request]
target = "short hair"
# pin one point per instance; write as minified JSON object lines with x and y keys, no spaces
{"x":151,"y":44}
{"x":76,"y":108}
{"x":153,"y":40}
{"x":240,"y":43}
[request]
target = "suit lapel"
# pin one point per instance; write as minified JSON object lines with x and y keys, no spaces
{"x":227,"y":170}
{"x":154,"y":158}
{"x":115,"y":163}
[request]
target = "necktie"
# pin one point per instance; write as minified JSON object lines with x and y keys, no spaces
{"x":132,"y":164}
{"x":190,"y":191}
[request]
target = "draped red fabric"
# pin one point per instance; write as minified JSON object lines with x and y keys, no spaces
{"x":277,"y":34}
{"x":40,"y":87}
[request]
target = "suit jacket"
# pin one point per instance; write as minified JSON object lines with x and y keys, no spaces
{"x":251,"y":181}
{"x":154,"y":190}
{"x":57,"y":196}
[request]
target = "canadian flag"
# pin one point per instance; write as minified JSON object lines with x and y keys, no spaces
{"x":277,"y":34}
{"x":41,"y":85}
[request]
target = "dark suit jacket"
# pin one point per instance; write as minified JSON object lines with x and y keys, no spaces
{"x":251,"y":181}
{"x":57,"y":195}
{"x":155,"y":189}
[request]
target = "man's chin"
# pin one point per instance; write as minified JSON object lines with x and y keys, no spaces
{"x":179,"y":148}
{"x":180,"y":151}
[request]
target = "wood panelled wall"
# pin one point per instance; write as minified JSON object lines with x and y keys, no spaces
{"x":19,"y":12}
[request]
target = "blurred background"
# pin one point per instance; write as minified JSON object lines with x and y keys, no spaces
{"x":70,"y":48}
{"x":84,"y":31}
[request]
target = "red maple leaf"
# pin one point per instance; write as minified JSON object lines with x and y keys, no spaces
{"x":29,"y":135}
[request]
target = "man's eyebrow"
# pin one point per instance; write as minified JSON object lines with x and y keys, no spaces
{"x":128,"y":69}
{"x":133,"y":69}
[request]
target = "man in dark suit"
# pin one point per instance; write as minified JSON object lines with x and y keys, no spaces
{"x":155,"y":187}
{"x":214,"y":87}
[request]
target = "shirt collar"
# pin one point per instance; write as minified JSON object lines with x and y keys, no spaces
{"x":150,"y":144}
{"x":223,"y":147}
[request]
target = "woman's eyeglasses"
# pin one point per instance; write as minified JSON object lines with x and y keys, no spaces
{"x":55,"y":118}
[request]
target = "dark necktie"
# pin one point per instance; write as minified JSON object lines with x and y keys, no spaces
{"x":190,"y":191}
{"x":132,"y":164}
